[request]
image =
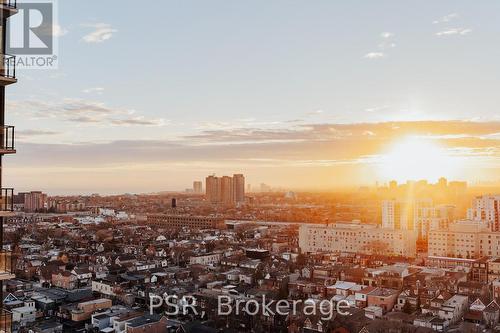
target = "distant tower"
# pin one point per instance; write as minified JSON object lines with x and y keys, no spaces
{"x":174,"y":203}
{"x":442,"y":182}
{"x":397,"y":215}
{"x":197,"y":187}
{"x":227,"y":190}
{"x":239,"y":188}
{"x":7,"y":76}
{"x":393,"y":185}
{"x":213,"y":189}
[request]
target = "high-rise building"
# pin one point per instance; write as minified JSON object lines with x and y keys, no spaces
{"x":442,"y":183}
{"x":35,"y":201}
{"x":265,"y":188}
{"x":226,"y":190}
{"x":7,"y":76}
{"x":486,"y":208}
{"x":397,"y":215}
{"x":213,"y":189}
{"x":393,"y":185}
{"x":239,"y":188}
{"x":197,"y":187}
{"x":227,"y":193}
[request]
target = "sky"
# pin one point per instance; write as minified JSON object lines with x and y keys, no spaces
{"x":298,"y":94}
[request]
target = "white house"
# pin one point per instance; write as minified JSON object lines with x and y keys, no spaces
{"x":24,"y":314}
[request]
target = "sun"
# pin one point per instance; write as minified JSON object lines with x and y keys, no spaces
{"x":415,"y":158}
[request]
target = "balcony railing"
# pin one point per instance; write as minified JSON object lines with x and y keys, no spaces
{"x":5,"y":321}
{"x":7,"y":200}
{"x":7,"y":139}
{"x":9,"y":3}
{"x":8,"y":69}
{"x":5,"y":262}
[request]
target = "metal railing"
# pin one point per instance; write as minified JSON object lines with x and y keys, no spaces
{"x":5,"y":321}
{"x":7,"y":200}
{"x":7,"y":138}
{"x":8,"y":64}
{"x":9,"y":3}
{"x":5,"y":262}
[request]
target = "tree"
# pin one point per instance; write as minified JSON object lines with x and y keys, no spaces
{"x":407,"y":308}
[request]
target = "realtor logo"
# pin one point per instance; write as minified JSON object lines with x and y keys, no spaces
{"x":30,"y":35}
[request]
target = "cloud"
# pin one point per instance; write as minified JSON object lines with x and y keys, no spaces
{"x":138,"y":121}
{"x":102,"y":32}
{"x":377,"y":108}
{"x":97,"y":90}
{"x":314,"y":143}
{"x":374,"y":55}
{"x":386,"y":43}
{"x":59,"y":31}
{"x":28,"y":133}
{"x":454,"y":31}
{"x":84,"y":119}
{"x":83,"y":111}
{"x":315,"y":113}
{"x":328,"y":132}
{"x":274,"y":155}
{"x":446,"y":18}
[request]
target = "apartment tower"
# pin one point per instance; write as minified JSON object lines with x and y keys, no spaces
{"x":225,"y":190}
{"x":7,"y":76}
{"x":239,"y":188}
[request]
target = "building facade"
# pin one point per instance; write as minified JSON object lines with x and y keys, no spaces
{"x":465,"y":239}
{"x":486,"y":208}
{"x":184,"y":221}
{"x":357,"y":238}
{"x":7,"y":77}
{"x":397,"y":215}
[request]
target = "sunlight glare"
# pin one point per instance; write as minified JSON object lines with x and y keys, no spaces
{"x":415,"y":158}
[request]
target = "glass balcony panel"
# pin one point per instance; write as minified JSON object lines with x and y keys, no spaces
{"x":7,"y":200}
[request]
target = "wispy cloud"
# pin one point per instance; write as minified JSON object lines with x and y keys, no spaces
{"x":387,"y":42}
{"x":280,"y":154}
{"x":59,"y":31}
{"x":315,"y":113}
{"x":138,"y":121}
{"x":454,"y":31}
{"x":374,"y":55}
{"x":102,"y":32}
{"x":96,"y":90}
{"x":446,"y":30}
{"x":85,"y":112}
{"x":377,"y":108}
{"x":446,"y":18}
{"x":29,"y":133}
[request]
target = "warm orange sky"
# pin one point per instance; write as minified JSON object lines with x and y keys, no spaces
{"x":291,"y":93}
{"x":300,"y":156}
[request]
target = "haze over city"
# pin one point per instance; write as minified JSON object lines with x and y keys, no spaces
{"x":293,"y":95}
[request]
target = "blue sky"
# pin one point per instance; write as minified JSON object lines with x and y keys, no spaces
{"x":170,"y":74}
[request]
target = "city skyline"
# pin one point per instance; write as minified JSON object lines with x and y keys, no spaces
{"x":313,"y":103}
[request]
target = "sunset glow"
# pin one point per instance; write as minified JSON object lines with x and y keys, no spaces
{"x":417,"y":158}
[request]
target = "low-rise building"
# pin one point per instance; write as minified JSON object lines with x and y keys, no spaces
{"x":357,"y":238}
